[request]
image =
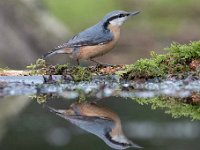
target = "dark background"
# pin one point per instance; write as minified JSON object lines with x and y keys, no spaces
{"x":37,"y":128}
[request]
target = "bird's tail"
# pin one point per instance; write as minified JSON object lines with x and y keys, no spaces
{"x":57,"y":51}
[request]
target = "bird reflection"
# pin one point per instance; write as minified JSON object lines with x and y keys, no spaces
{"x":98,"y":120}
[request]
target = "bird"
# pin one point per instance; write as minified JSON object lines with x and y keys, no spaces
{"x":96,"y":40}
{"x":98,"y":120}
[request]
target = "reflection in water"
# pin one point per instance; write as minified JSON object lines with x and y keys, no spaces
{"x":98,"y":120}
{"x":178,"y":98}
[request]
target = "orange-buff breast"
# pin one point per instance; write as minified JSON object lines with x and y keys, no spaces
{"x":89,"y":52}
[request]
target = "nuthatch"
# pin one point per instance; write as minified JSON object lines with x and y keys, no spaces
{"x":98,"y":120}
{"x":96,"y":40}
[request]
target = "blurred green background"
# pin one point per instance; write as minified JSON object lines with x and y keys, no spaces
{"x":42,"y":25}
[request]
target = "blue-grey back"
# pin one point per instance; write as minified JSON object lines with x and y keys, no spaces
{"x":94,"y":35}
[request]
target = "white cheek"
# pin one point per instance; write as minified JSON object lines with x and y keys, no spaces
{"x":118,"y":21}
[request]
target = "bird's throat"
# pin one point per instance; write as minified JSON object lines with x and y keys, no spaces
{"x":115,"y":30}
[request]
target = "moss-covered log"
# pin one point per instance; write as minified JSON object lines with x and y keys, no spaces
{"x":180,"y":60}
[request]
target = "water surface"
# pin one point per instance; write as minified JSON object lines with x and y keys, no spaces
{"x":28,"y":119}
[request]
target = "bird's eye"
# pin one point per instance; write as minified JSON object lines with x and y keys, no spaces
{"x":121,"y":15}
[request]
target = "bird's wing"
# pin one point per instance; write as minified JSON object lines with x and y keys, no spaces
{"x":94,"y":35}
{"x":94,"y":125}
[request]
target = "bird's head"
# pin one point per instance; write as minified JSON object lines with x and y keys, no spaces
{"x":117,"y":17}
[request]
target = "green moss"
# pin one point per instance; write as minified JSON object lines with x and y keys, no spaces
{"x":173,"y":106}
{"x":3,"y":69}
{"x":146,"y":68}
{"x":81,"y":74}
{"x":60,"y":68}
{"x":176,"y":61}
{"x":77,"y":73}
{"x":40,"y":63}
{"x":186,"y":52}
{"x":37,"y":67}
{"x":40,"y":98}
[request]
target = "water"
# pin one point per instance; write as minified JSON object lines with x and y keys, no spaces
{"x":34,"y":115}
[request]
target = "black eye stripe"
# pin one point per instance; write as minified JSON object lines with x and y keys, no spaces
{"x":122,"y":15}
{"x":114,"y":17}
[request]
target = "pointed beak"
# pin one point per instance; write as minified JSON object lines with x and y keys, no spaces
{"x":57,"y":111}
{"x":134,"y":13}
{"x":136,"y":146}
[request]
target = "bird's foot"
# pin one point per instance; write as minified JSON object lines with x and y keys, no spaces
{"x":100,"y":64}
{"x":106,"y":65}
{"x":78,"y":62}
